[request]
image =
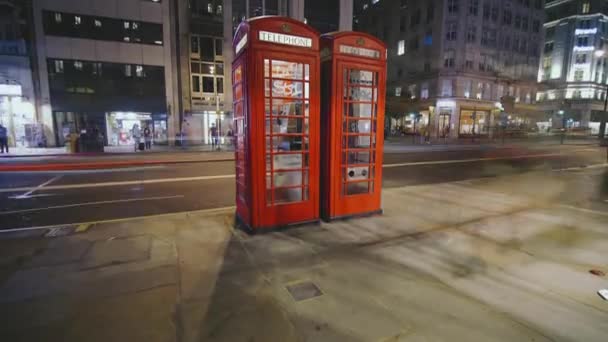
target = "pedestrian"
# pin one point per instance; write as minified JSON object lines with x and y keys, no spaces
{"x":230,"y":136}
{"x":214,"y":137}
{"x":3,"y":139}
{"x":148,"y":137}
{"x":136,"y":134}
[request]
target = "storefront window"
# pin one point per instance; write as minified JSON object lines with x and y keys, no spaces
{"x":474,"y":122}
{"x":119,"y":126}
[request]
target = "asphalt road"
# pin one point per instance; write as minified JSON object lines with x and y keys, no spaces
{"x":30,"y":199}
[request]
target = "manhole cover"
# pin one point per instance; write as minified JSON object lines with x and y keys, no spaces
{"x":304,"y":290}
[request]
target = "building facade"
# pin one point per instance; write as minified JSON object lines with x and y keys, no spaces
{"x":106,"y":66}
{"x":17,"y":91}
{"x":573,"y":64}
{"x":454,"y":65}
{"x":206,"y":29}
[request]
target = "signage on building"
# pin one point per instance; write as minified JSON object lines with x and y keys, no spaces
{"x":285,"y":39}
{"x":359,"y":51}
{"x":241,"y":44}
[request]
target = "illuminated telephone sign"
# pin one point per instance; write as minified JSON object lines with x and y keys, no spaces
{"x":275,"y":76}
{"x":352,"y":120}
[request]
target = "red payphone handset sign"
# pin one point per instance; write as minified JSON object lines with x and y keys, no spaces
{"x":277,"y":156}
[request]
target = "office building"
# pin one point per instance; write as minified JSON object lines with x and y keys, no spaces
{"x":573,"y":64}
{"x":17,"y":91}
{"x":453,"y":65}
{"x":106,"y":66}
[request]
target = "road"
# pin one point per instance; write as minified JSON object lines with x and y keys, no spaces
{"x":30,"y":199}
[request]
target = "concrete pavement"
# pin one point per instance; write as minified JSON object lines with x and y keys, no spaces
{"x":500,"y":259}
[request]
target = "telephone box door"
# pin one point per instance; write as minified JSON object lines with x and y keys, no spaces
{"x":357,"y":186}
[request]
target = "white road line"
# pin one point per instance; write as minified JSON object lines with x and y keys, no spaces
{"x":25,"y":195}
{"x":201,"y":212}
{"x":89,"y":203}
{"x":583,"y":210}
{"x":458,"y":161}
{"x":136,"y":182}
{"x":587,"y":167}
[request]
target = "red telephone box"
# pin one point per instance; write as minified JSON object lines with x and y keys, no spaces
{"x":354,"y":88}
{"x":276,"y":114}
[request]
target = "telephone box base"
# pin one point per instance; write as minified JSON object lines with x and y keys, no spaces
{"x":240,"y":224}
{"x":357,"y":215}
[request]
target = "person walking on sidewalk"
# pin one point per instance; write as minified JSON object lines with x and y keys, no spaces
{"x":215,"y":141}
{"x":3,"y":139}
{"x":148,"y":137}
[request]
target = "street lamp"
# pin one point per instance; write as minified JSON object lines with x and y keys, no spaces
{"x":599,"y":54}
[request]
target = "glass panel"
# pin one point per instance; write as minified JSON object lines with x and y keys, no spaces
{"x":238,"y":93}
{"x":286,"y":107}
{"x":266,"y":68}
{"x":357,"y":188}
{"x":288,"y":143}
{"x":282,"y":69}
{"x":289,"y":161}
{"x":268,"y":180}
{"x":282,"y":88}
{"x":307,"y":72}
{"x":288,"y":195}
{"x":357,"y":141}
{"x":360,"y":94}
{"x":290,"y":178}
{"x":360,"y":77}
{"x":195,"y":68}
{"x":267,"y":88}
{"x":357,"y":158}
{"x":362,"y":110}
{"x":208,"y":84}
{"x":238,"y":76}
{"x":306,"y":90}
{"x":357,"y":126}
{"x":289,"y":125}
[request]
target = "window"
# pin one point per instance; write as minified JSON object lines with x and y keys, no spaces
{"x":586,"y":7}
{"x":517,"y":21}
{"x":78,"y":65}
{"x":427,"y":67}
{"x":58,"y":66}
{"x":536,"y":26}
{"x":194,"y":45}
{"x":507,"y":17}
{"x":208,"y":84}
{"x":473,"y":7}
{"x":538,"y":4}
{"x":479,"y":93}
{"x":581,"y":58}
{"x":414,"y":44}
{"x":58,"y":17}
{"x":402,"y":24}
{"x":469,"y":64}
{"x":397,"y":91}
{"x":524,"y":23}
{"x":219,"y":10}
{"x":209,"y":8}
{"x":424,"y":91}
{"x":446,"y":88}
{"x":430,"y":13}
{"x":451,"y":32}
{"x":471,"y":34}
{"x":494,"y":14}
{"x":97,"y":68}
{"x":139,"y":71}
{"x":127,"y":25}
{"x":486,"y":11}
{"x":411,"y":91}
{"x":578,"y":75}
{"x":507,"y":42}
{"x":400,"y":47}
{"x":128,"y":71}
{"x":219,"y":85}
{"x":582,"y":41}
{"x":452,"y":6}
{"x":468,"y":85}
{"x":77,"y":20}
{"x":448,"y":59}
{"x":415,"y":19}
{"x":548,"y":47}
{"x":196,"y":83}
{"x":428,"y":38}
{"x":547,"y":62}
{"x":97,"y":23}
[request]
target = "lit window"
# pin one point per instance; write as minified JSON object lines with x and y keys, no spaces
{"x":397,"y":91}
{"x":401,"y":47}
{"x":135,"y":26}
{"x":97,"y":23}
{"x":77,"y":20}
{"x":424,"y":91}
{"x":128,"y":71}
{"x":219,"y":9}
{"x":448,"y":59}
{"x":126,"y":39}
{"x":210,"y":8}
{"x":365,"y":6}
{"x":139,"y":71}
{"x":586,"y":7}
{"x":158,"y":42}
{"x":412,"y":91}
{"x":578,"y":75}
{"x":58,"y":18}
{"x":78,"y":65}
{"x":58,"y":66}
{"x":127,"y":24}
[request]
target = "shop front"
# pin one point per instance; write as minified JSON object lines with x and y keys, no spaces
{"x":17,"y":116}
{"x":200,"y":127}
{"x":120,"y":125}
{"x":474,"y":122}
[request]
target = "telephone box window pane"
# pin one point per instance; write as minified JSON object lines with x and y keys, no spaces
{"x":360,"y":110}
{"x":357,"y":141}
{"x":289,"y":143}
{"x":266,"y":88}
{"x":306,"y":108}
{"x":286,"y":107}
{"x":306,"y":90}
{"x":282,"y":88}
{"x":238,"y":76}
{"x":266,"y":68}
{"x":357,"y":188}
{"x":358,"y":126}
{"x":360,"y":77}
{"x":289,"y":125}
{"x":289,"y":161}
{"x":238,"y":94}
{"x":358,"y":158}
{"x":306,"y":72}
{"x":288,"y":70}
{"x":290,"y":178}
{"x":287,"y":195}
{"x":360,"y":94}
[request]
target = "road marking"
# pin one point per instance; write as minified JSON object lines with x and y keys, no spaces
{"x":585,"y":167}
{"x":458,"y":161}
{"x":82,"y":227}
{"x":27,"y":194}
{"x":89,"y":203}
{"x":136,"y":182}
{"x":210,"y":211}
{"x":583,"y":210}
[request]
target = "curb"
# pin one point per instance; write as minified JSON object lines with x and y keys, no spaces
{"x":101,"y":165}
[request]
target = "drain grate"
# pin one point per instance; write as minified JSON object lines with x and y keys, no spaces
{"x":304,"y":290}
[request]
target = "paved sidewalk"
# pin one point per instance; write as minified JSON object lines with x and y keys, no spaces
{"x":482,"y":260}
